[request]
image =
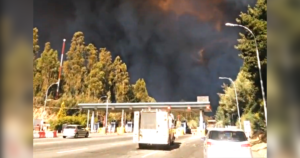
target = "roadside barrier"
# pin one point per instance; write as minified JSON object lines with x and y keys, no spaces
{"x":43,"y":134}
{"x":179,"y":132}
{"x":201,"y":132}
{"x":51,"y":134}
{"x":174,"y":131}
{"x":101,"y":130}
{"x":36,"y":134}
{"x":120,"y":130}
{"x":194,"y":131}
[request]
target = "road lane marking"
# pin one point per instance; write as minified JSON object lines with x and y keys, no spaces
{"x":78,"y":140}
{"x":71,"y":150}
{"x":150,"y":154}
{"x":90,"y":136}
{"x":195,"y":137}
{"x":121,"y":143}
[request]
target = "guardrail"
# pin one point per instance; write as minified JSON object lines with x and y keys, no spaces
{"x":44,"y":134}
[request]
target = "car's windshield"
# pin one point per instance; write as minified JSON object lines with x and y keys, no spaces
{"x":227,"y":135}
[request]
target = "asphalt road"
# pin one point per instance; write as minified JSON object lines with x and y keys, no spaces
{"x":114,"y":147}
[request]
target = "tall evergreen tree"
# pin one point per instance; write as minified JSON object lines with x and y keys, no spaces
{"x":85,"y":76}
{"x":96,"y":81}
{"x":74,"y":68}
{"x":47,"y":69}
{"x":220,"y":115}
{"x":92,"y":53}
{"x":36,"y":47}
{"x":140,"y":92}
{"x":105,"y":59}
{"x":256,"y":20}
{"x":92,"y":59}
{"x":121,"y":80}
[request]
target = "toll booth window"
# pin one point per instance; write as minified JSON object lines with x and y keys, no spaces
{"x":148,"y":120}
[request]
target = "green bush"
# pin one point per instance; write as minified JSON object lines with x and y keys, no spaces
{"x":57,"y":124}
{"x":193,"y":124}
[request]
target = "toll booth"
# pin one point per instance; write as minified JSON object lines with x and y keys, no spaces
{"x":129,"y":127}
{"x":97,"y":126}
{"x":185,"y":127}
{"x":113,"y":126}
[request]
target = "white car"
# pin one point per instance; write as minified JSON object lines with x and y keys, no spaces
{"x":75,"y":131}
{"x":226,"y":143}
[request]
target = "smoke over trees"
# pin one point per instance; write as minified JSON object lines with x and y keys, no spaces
{"x":179,"y":47}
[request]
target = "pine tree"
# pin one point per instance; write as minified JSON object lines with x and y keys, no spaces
{"x":36,"y":47}
{"x":120,"y":80}
{"x":92,"y":53}
{"x":47,"y":69}
{"x":74,"y":68}
{"x":92,"y":59}
{"x":105,"y":59}
{"x":256,"y":20}
{"x":96,"y":81}
{"x":85,"y":78}
{"x":140,"y":92}
{"x":220,"y":115}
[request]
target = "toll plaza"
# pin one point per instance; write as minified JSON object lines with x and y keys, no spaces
{"x":202,"y":105}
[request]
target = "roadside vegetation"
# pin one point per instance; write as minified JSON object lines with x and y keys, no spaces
{"x":248,"y":81}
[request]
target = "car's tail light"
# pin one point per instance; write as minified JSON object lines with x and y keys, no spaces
{"x":75,"y":131}
{"x":246,"y":145}
{"x":208,"y":144}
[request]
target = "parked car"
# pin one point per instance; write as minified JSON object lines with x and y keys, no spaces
{"x":75,"y":131}
{"x":226,"y":143}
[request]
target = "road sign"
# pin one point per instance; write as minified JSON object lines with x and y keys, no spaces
{"x":247,"y":128}
{"x":202,"y":98}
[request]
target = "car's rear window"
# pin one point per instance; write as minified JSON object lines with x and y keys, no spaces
{"x":227,"y":135}
{"x":70,"y":127}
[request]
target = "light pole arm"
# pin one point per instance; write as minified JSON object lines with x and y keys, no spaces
{"x":257,"y":53}
{"x":46,"y":97}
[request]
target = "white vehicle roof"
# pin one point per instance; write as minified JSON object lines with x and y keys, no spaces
{"x":73,"y":125}
{"x":211,"y":120}
{"x":225,"y":129}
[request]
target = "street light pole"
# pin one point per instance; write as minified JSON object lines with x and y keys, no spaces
{"x":46,"y":98}
{"x":259,"y":66}
{"x":237,"y":102}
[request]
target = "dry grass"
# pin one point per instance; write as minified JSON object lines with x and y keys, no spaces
{"x":260,"y":148}
{"x":38,"y":113}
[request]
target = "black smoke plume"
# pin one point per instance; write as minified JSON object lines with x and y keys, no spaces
{"x":180,"y":47}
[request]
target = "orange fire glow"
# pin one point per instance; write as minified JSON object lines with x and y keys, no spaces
{"x":206,"y":10}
